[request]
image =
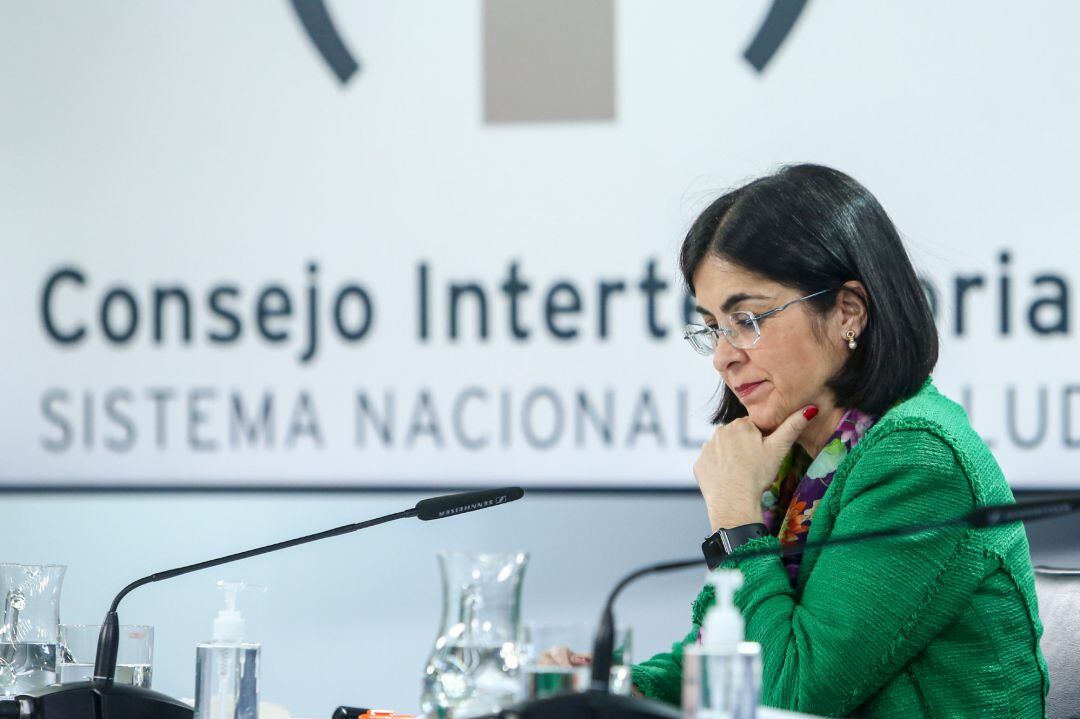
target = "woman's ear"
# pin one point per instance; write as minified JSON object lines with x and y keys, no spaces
{"x":852,"y":307}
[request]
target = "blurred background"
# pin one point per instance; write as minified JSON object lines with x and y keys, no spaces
{"x":269,"y":267}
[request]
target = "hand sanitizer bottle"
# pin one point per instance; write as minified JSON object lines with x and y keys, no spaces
{"x":722,"y":673}
{"x":227,"y":667}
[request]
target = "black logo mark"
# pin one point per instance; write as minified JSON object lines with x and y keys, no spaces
{"x":773,"y":31}
{"x":320,"y":29}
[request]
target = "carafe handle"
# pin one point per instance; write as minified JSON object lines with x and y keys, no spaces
{"x":14,"y":602}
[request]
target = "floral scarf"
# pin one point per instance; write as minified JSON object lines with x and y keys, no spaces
{"x":800,"y":484}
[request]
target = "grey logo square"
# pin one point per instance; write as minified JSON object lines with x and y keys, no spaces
{"x":549,"y":60}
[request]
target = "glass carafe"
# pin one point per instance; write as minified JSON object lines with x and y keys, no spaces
{"x":472,"y":670}
{"x":28,"y":626}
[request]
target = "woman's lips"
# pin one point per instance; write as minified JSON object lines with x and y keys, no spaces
{"x":744,"y":390}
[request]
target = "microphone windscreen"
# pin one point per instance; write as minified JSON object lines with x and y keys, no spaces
{"x":452,"y":504}
{"x":1026,"y":511}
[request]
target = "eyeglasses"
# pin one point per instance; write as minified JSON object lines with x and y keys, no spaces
{"x":743,"y":329}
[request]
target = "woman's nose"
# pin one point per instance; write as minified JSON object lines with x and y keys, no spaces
{"x":725,"y":355}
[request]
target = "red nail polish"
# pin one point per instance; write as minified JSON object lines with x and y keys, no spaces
{"x":810,"y":412}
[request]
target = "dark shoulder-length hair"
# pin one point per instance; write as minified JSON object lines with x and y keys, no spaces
{"x":812,"y":228}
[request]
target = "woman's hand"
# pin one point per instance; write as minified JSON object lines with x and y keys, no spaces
{"x":563,"y":657}
{"x":738,"y":464}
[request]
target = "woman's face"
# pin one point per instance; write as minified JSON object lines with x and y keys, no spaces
{"x":788,"y":367}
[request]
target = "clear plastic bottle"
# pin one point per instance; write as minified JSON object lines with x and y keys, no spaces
{"x":227,"y":667}
{"x":722,"y":674}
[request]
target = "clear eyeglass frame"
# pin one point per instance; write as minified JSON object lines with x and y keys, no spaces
{"x":742,"y":331}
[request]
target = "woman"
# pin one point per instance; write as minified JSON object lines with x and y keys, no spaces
{"x":829,"y":425}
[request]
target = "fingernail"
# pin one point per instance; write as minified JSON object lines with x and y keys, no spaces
{"x":810,"y":412}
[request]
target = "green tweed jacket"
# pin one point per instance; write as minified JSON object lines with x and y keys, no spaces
{"x":940,"y":624}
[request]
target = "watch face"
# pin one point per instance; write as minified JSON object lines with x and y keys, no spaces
{"x":713,"y":550}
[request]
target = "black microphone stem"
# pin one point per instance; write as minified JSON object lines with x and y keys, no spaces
{"x":604,"y":645}
{"x":651,"y":569}
{"x":850,"y":538}
{"x":338,"y":531}
{"x":979,"y":518}
{"x":109,"y":640}
{"x":603,"y":648}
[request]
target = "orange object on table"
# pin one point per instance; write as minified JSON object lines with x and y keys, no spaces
{"x":385,"y":714}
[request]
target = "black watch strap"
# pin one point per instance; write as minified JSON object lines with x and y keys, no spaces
{"x":717,"y":547}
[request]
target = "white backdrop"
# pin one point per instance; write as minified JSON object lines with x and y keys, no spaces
{"x":206,"y":145}
{"x":203,"y":147}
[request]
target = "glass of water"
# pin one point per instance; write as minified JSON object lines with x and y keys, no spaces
{"x":557,"y":659}
{"x":77,"y":651}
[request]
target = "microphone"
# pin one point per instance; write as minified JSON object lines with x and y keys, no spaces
{"x":604,"y":644}
{"x":1028,"y":510}
{"x":451,"y":504}
{"x":598,"y":702}
{"x":102,"y":698}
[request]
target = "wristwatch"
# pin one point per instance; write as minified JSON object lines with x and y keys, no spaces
{"x":717,"y":547}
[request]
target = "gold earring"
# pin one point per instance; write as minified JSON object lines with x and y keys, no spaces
{"x":850,"y":337}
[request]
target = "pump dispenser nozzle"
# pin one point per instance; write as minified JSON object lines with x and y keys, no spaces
{"x":229,"y":622}
{"x":723,"y":628}
{"x":726,"y":582}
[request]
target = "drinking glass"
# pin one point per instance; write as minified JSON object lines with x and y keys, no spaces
{"x":544,"y":657}
{"x":77,"y":652}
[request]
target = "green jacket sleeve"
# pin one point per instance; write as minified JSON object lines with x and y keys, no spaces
{"x":867,"y":608}
{"x":660,"y":677}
